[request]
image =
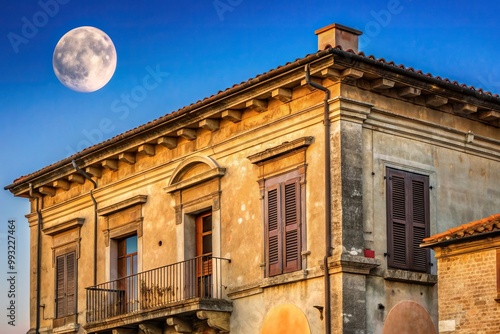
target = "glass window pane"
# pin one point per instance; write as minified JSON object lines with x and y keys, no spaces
{"x":134,"y":264}
{"x":132,"y":244}
{"x":207,"y":244}
{"x":207,"y":223}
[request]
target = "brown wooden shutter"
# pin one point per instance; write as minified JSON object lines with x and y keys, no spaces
{"x":273,"y":217}
{"x":71,"y":283}
{"x":408,"y":220}
{"x":65,"y":285}
{"x":61,"y":287}
{"x":420,"y":221}
{"x":291,"y":225}
{"x":397,"y":219}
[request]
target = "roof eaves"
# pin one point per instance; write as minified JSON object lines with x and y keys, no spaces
{"x":482,"y":228}
{"x":445,"y":242}
{"x":171,"y":116}
{"x":418,"y":74}
{"x":349,"y":54}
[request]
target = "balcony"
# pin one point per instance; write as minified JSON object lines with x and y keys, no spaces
{"x":177,"y":293}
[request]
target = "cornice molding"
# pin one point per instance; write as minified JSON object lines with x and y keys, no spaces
{"x":434,"y":134}
{"x":280,"y":150}
{"x":64,"y":226}
{"x":110,"y":209}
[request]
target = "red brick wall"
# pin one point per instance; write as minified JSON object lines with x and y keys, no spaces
{"x":467,"y":290}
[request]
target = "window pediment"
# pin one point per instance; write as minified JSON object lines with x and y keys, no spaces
{"x":64,"y":226}
{"x":280,"y":151}
{"x":120,"y":206}
{"x":123,"y":218}
{"x":194,"y":171}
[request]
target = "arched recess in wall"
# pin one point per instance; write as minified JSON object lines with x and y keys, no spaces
{"x":195,"y":189}
{"x":285,"y":318}
{"x":408,"y":317}
{"x":192,"y":171}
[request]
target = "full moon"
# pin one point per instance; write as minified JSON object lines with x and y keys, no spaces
{"x":84,"y":59}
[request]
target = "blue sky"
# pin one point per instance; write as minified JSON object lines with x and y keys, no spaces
{"x":199,"y":47}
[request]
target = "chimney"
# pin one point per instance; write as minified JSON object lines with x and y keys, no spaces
{"x":337,"y":34}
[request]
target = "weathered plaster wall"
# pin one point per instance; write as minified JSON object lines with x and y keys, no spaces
{"x":250,"y":311}
{"x":369,"y":132}
{"x":240,"y":214}
{"x":463,"y":179}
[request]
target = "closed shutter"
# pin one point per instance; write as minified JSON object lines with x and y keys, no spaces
{"x":292,"y":219}
{"x":273,"y":239}
{"x":61,"y":287}
{"x":65,"y":285}
{"x":71,"y":283}
{"x":408,"y":220}
{"x":420,"y":223}
{"x":397,"y":218}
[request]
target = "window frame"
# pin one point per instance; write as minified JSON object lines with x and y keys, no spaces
{"x":124,"y":259}
{"x":288,"y":231}
{"x":203,"y":259}
{"x":405,"y":192}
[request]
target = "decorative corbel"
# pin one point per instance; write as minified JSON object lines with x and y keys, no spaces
{"x":217,"y":320}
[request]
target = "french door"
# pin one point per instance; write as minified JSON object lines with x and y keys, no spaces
{"x":204,"y":254}
{"x":127,"y":270}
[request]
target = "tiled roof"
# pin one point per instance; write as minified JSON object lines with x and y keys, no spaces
{"x":478,"y":92}
{"x":472,"y":229}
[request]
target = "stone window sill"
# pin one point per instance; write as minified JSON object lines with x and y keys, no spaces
{"x":406,"y":276}
{"x":284,"y":278}
{"x":69,"y":328}
{"x":256,"y":288}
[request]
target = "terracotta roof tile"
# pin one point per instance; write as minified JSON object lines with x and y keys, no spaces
{"x":473,"y":228}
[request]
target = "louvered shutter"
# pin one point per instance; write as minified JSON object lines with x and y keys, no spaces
{"x":397,"y":219}
{"x":61,"y":287}
{"x":273,"y":217}
{"x":65,"y":285}
{"x":408,"y":220}
{"x":420,"y":221}
{"x":71,"y":283}
{"x":291,"y":216}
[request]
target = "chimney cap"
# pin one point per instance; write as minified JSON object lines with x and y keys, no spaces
{"x":339,"y":27}
{"x":338,"y":34}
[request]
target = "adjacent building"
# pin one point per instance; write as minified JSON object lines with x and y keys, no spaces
{"x":294,"y":202}
{"x":468,"y":259}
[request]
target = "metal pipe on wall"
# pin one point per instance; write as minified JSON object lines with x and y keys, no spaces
{"x":328,"y":195}
{"x":38,"y":257}
{"x":87,"y":176}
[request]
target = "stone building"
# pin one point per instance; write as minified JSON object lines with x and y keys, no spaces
{"x":294,"y":202}
{"x":468,"y":260}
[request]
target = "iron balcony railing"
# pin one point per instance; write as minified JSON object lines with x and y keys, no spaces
{"x":200,"y":277}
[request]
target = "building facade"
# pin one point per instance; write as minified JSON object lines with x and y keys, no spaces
{"x":294,"y":202}
{"x":468,"y":259}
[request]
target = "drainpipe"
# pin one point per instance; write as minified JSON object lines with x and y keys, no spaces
{"x":87,"y":176}
{"x":38,"y":257}
{"x":328,"y":195}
